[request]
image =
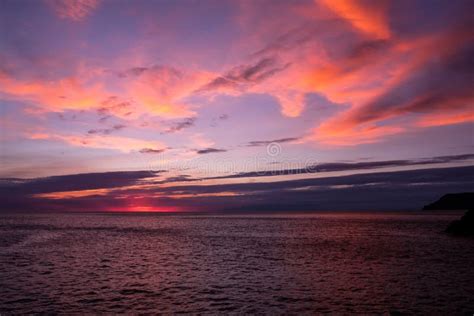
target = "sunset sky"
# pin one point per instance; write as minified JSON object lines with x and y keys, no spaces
{"x":234,"y":105}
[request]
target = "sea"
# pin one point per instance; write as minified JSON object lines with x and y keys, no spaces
{"x":300,"y":264}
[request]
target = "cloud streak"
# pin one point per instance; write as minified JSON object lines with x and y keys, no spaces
{"x":244,"y":76}
{"x":107,"y":131}
{"x":368,"y":18}
{"x":258,"y":143}
{"x":85,"y":181}
{"x":373,"y":191}
{"x":354,"y":166}
{"x":99,"y":141}
{"x":176,"y":127}
{"x":151,"y":151}
{"x":210,"y":151}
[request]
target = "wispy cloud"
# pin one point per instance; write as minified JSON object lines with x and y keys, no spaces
{"x":151,"y":151}
{"x":107,"y":131}
{"x":137,"y":71}
{"x":258,"y":143}
{"x":113,"y":105}
{"x":100,"y":141}
{"x":370,"y":19}
{"x":178,"y":126}
{"x":83,"y":181}
{"x":290,"y":40}
{"x":243,"y":76}
{"x":215,"y":120}
{"x":210,"y":151}
{"x":75,"y":10}
{"x":350,"y":166}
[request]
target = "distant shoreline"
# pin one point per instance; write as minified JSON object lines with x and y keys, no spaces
{"x":240,"y":213}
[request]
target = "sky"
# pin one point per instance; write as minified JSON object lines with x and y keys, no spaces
{"x":154,"y":105}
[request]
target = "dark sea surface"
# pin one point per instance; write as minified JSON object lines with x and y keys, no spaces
{"x":308,"y":264}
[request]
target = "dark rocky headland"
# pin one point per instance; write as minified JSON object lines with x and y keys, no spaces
{"x":457,"y":201}
{"x":464,"y":226}
{"x":453,"y":201}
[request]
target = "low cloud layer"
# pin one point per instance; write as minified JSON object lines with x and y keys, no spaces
{"x":85,"y":181}
{"x":351,"y":166}
{"x":373,"y":191}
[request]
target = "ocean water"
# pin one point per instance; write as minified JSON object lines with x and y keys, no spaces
{"x":308,"y":264}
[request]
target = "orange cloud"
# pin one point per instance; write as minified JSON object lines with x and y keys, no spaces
{"x":75,"y":10}
{"x":436,"y":89}
{"x":337,"y":134}
{"x":380,"y":77}
{"x":371,"y":20}
{"x":291,"y":102}
{"x":354,"y":75}
{"x":73,"y":194}
{"x":68,"y":93}
{"x":441,"y":119}
{"x":162,"y":90}
{"x":158,"y":91}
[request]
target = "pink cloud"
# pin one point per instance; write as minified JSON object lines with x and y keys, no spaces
{"x":370,"y":19}
{"x":55,"y":95}
{"x":162,"y":90}
{"x":75,"y":10}
{"x":123,"y":144}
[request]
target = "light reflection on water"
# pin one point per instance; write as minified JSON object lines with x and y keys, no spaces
{"x":343,"y":263}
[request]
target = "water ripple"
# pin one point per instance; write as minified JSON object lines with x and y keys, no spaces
{"x":342,"y":264}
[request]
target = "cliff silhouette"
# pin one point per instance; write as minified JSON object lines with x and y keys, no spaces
{"x":454,"y":201}
{"x":457,"y":201}
{"x":464,"y":226}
